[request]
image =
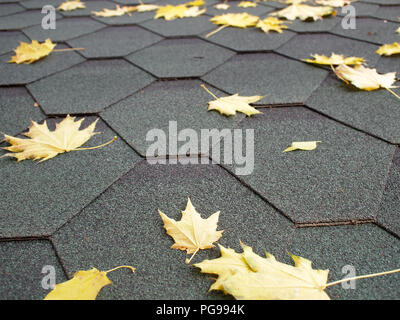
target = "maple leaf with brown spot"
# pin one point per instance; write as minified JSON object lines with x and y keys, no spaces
{"x":192,"y":233}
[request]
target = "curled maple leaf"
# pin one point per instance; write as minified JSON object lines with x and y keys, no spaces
{"x":71,"y":5}
{"x":366,"y":78}
{"x":45,"y":144}
{"x":304,"y":12}
{"x":334,"y":59}
{"x":192,"y":233}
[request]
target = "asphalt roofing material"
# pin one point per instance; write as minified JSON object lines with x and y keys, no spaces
{"x":337,"y":205}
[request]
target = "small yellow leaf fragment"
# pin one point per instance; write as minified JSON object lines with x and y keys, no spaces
{"x":45,"y":144}
{"x":247,"y":4}
{"x":389,"y":49}
{"x":71,"y":5}
{"x":239,"y":20}
{"x":303,"y":145}
{"x":271,"y":24}
{"x":85,"y":285}
{"x":195,"y":3}
{"x":304,"y":12}
{"x":230,"y":104}
{"x":398,"y":30}
{"x":334,"y":59}
{"x":194,"y":12}
{"x":118,"y":11}
{"x":222,"y":6}
{"x":146,"y":7}
{"x":192,"y":233}
{"x":28,"y":53}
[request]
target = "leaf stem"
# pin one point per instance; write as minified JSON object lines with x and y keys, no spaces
{"x":188,"y":261}
{"x":216,"y":30}
{"x":362,"y":277}
{"x":100,"y":146}
{"x":205,"y":88}
{"x":67,"y":49}
{"x":393,"y":93}
{"x":129,"y":267}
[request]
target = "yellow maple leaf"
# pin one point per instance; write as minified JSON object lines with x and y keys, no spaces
{"x":170,"y":12}
{"x":304,"y":12}
{"x":45,"y":144}
{"x":247,"y":4}
{"x":271,"y":24}
{"x":334,"y":3}
{"x":196,"y":3}
{"x":238,"y":20}
{"x":28,"y":53}
{"x":250,"y":277}
{"x":194,"y":12}
{"x":222,"y":6}
{"x":85,"y":285}
{"x":365,"y":78}
{"x":302,"y":145}
{"x":71,"y":5}
{"x":192,"y":233}
{"x":334,"y":59}
{"x":146,"y":7}
{"x":389,"y":49}
{"x":118,"y":11}
{"x":230,"y":104}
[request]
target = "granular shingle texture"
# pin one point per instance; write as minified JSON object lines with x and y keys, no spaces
{"x":280,"y":79}
{"x":123,"y":221}
{"x":67,"y":184}
{"x":141,"y":78}
{"x":114,"y":41}
{"x":186,"y":58}
{"x":92,"y":86}
{"x":135,"y":117}
{"x":343,"y":179}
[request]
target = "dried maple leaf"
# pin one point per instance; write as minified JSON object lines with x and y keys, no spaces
{"x":271,"y":24}
{"x":365,"y":78}
{"x":389,"y":49}
{"x":334,"y":59}
{"x":45,"y":144}
{"x":222,"y":6}
{"x":302,"y":145}
{"x":334,"y":3}
{"x":238,"y":20}
{"x":196,"y":3}
{"x":247,"y":4}
{"x":170,"y":12}
{"x":71,"y":5}
{"x":249,"y":276}
{"x":146,"y":7}
{"x":118,"y":11}
{"x":28,"y":53}
{"x":194,"y":12}
{"x":304,"y":12}
{"x":192,"y":233}
{"x":85,"y":285}
{"x":230,"y":104}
